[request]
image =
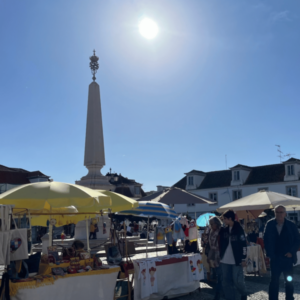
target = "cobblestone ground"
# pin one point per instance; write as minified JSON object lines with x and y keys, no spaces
{"x":257,"y":288}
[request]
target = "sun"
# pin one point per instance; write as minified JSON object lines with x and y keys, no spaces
{"x":148,"y":28}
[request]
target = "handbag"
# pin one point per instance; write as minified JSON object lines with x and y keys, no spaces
{"x":113,"y":255}
{"x":18,"y":243}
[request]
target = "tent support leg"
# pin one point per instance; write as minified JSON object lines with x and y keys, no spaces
{"x":50,"y":234}
{"x":147,"y":238}
{"x":87,"y":236}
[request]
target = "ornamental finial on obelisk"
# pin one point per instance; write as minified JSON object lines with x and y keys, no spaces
{"x":94,"y":65}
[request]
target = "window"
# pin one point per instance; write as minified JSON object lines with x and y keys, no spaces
{"x":290,"y":170}
{"x":236,"y":175}
{"x":236,"y":194}
{"x":213,"y":197}
{"x":190,"y":180}
{"x":263,"y":189}
{"x":191,"y":204}
{"x":293,"y":217}
{"x":137,"y":190}
{"x":292,"y":191}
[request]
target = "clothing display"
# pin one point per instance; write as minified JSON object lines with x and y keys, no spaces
{"x":169,"y":238}
{"x":168,"y":275}
{"x":153,"y":276}
{"x":193,"y":233}
{"x":178,"y":233}
{"x":195,"y":267}
{"x":159,"y":236}
{"x":145,"y":279}
{"x":18,"y":243}
{"x":255,"y":260}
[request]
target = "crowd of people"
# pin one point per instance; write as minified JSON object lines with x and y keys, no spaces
{"x":225,"y":252}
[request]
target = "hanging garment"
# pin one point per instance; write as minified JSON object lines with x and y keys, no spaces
{"x":159,"y":237}
{"x":193,"y":233}
{"x":4,"y":215}
{"x":197,"y":259}
{"x":169,"y":238}
{"x":178,"y":233}
{"x":6,"y":247}
{"x":153,"y":276}
{"x":145,"y":279}
{"x":195,"y":267}
{"x":18,"y":243}
{"x":192,"y":268}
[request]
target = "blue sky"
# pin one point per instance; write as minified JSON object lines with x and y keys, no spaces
{"x":221,"y":78}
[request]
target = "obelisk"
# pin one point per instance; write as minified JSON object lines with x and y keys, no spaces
{"x":94,"y":156}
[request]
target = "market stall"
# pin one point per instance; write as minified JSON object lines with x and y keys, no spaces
{"x":97,"y":284}
{"x":172,"y":275}
{"x":56,"y":202}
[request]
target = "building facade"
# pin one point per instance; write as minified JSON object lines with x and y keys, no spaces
{"x":127,"y":187}
{"x":12,"y":177}
{"x":239,"y":181}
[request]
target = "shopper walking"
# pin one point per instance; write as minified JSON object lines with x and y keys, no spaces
{"x":233,"y":252}
{"x":281,"y":239}
{"x":92,"y":231}
{"x":213,"y":256}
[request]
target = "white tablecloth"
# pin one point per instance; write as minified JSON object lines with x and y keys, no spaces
{"x":98,"y":286}
{"x":172,"y":280}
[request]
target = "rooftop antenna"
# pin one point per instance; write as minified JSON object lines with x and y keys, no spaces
{"x":280,"y":152}
{"x":226,"y":160}
{"x":289,"y":155}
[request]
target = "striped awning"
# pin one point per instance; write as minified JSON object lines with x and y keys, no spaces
{"x":152,"y":210}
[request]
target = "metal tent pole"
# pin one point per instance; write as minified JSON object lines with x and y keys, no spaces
{"x":87,"y":235}
{"x":147,"y":238}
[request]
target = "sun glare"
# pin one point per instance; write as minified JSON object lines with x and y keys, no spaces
{"x":148,"y":28}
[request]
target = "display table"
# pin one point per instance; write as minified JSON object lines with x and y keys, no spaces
{"x":255,"y":260}
{"x":98,"y":284}
{"x":172,"y":279}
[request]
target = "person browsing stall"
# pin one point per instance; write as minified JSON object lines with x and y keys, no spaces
{"x":281,"y":239}
{"x":233,"y":253}
{"x":213,"y":256}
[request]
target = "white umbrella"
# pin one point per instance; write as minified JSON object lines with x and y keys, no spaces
{"x":261,"y":201}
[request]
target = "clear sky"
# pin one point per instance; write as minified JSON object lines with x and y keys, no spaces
{"x":221,"y":78}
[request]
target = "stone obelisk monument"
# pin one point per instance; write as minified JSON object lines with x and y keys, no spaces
{"x":94,"y":156}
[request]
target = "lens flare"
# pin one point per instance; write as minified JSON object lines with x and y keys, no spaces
{"x":289,"y":278}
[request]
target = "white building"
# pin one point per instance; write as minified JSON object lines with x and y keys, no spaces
{"x":240,"y":181}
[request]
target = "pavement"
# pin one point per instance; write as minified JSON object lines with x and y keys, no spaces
{"x":257,"y":287}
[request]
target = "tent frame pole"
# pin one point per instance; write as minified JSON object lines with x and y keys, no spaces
{"x":87,"y":235}
{"x":147,"y":238}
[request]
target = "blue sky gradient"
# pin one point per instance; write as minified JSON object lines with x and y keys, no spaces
{"x":221,"y":77}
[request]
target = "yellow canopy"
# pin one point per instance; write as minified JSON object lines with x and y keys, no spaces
{"x":63,"y":216}
{"x":36,"y":196}
{"x":120,"y":202}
